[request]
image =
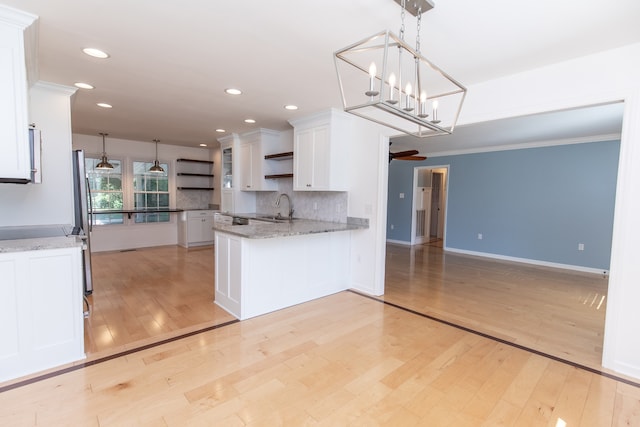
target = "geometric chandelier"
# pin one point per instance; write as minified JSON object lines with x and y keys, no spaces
{"x":385,"y":80}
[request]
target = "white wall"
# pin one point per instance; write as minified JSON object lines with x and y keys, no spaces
{"x":50,"y":202}
{"x":609,"y":76}
{"x":129,"y":236}
{"x":368,"y":176}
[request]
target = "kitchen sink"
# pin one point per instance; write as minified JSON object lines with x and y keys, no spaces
{"x":274,"y":218}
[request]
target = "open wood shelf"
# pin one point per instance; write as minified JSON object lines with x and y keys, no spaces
{"x":277,"y":176}
{"x":195,"y":161}
{"x":280,"y":156}
{"x":195,"y":174}
{"x":196,"y":188}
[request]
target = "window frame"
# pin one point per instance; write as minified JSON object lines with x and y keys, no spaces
{"x":93,"y":192}
{"x":169,"y":191}
{"x":126,"y":162}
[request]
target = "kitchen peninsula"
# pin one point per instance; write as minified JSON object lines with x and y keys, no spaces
{"x":263,"y":266}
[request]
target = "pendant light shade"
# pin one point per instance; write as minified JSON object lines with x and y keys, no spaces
{"x":104,"y":163}
{"x":156,"y":168}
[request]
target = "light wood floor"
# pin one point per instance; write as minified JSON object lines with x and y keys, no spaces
{"x":341,"y":360}
{"x":147,"y":295}
{"x":554,"y":311}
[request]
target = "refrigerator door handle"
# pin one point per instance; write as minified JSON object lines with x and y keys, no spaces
{"x":90,"y":201}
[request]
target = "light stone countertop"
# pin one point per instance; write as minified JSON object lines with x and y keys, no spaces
{"x":38,"y":244}
{"x":257,"y":229}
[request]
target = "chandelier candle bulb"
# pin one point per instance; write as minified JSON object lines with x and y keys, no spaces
{"x":407,"y":90}
{"x":372,"y":75}
{"x":435,"y":112}
{"x":392,"y":85}
{"x":423,"y":105}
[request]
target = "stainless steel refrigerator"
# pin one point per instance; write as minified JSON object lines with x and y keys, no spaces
{"x":82,"y":215}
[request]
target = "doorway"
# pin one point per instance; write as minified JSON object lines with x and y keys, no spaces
{"x":428,"y":214}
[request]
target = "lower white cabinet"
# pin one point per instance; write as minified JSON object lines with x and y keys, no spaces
{"x":258,"y":276}
{"x":228,"y":263}
{"x":41,"y":311}
{"x":195,"y":228}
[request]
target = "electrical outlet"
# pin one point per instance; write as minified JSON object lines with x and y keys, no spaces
{"x":392,"y":226}
{"x":479,"y":236}
{"x":402,"y":195}
{"x":581,"y":246}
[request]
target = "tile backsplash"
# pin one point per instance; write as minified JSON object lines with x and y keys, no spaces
{"x":318,"y":205}
{"x":193,"y":199}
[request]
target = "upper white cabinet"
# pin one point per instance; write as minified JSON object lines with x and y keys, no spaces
{"x":14,"y":117}
{"x":254,"y":168}
{"x":232,"y":199}
{"x":320,"y":147}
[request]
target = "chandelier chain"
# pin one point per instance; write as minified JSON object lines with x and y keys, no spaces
{"x":402,"y":20}
{"x":418,"y":31}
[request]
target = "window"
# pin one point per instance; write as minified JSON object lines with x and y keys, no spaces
{"x":106,"y":190}
{"x":150,"y":191}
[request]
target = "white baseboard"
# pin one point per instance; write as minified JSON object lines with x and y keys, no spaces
{"x":399,"y":242}
{"x":529,"y":261}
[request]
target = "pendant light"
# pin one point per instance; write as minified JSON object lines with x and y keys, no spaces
{"x":104,"y":163}
{"x":156,"y":168}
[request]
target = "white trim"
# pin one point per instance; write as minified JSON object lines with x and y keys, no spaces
{"x":625,"y":368}
{"x":529,"y":261}
{"x":526,"y":145}
{"x":399,"y":242}
{"x":619,"y":348}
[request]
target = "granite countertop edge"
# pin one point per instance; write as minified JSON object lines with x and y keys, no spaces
{"x":39,"y":244}
{"x":267,"y":230}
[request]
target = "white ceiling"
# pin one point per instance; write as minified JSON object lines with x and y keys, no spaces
{"x":586,"y":124}
{"x":171,"y":60}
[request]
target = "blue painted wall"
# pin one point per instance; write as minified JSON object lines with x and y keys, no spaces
{"x":535,"y":203}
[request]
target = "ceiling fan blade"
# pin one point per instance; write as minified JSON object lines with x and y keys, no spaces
{"x":411,"y":158}
{"x":404,"y":153}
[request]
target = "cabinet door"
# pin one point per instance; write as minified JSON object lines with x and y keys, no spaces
{"x":226,"y":201}
{"x":246,"y":167}
{"x":41,"y":321}
{"x":228,"y":256}
{"x":312,"y":167}
{"x":14,"y":130}
{"x":9,"y":320}
{"x":321,"y":158}
{"x":303,"y":160}
{"x":207,"y":228}
{"x":194,"y":230}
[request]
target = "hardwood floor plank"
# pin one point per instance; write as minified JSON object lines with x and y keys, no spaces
{"x":341,"y":360}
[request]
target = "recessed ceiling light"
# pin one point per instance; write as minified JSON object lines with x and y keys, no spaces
{"x":96,"y":53}
{"x":233,"y":91}
{"x":83,"y":85}
{"x":203,"y":145}
{"x":249,"y":121}
{"x":290,"y":107}
{"x":104,"y":105}
{"x":220,"y":130}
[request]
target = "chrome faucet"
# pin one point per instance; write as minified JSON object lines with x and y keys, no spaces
{"x":290,"y":205}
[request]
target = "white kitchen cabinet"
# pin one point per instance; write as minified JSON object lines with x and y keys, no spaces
{"x":195,"y":228}
{"x":14,"y":117}
{"x":253,"y":148}
{"x":258,"y":276}
{"x":41,"y":314}
{"x":320,"y":146}
{"x":232,"y":199}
